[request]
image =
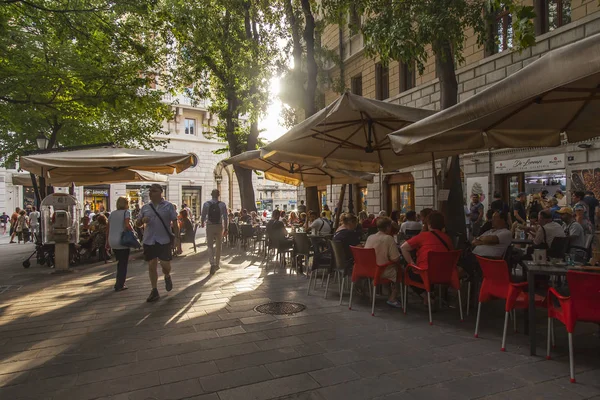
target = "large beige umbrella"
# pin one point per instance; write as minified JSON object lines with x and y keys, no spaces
{"x":65,"y":177}
{"x":100,"y":160}
{"x":350,"y":133}
{"x":295,"y":174}
{"x":531,"y":108}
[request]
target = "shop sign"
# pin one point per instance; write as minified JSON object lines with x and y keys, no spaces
{"x":528,"y":164}
{"x":96,"y":192}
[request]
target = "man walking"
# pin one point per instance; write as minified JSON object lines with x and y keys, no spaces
{"x":159,"y":219}
{"x":13,"y":224}
{"x":34,"y":223}
{"x":476,"y":214}
{"x":214,"y":217}
{"x":301,"y":207}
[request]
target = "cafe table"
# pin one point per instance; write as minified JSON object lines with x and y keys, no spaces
{"x":534,"y":270}
{"x":522,"y":241}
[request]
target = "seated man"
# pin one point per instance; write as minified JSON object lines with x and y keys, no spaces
{"x":386,"y":251}
{"x":488,"y":222}
{"x":574,"y":231}
{"x":493,"y":243}
{"x":411,"y":223}
{"x":245,"y":217}
{"x":319,"y":226}
{"x":548,"y":229}
{"x":434,"y":239}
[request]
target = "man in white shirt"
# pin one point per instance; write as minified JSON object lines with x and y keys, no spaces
{"x":494,"y":242}
{"x":411,"y":223}
{"x":34,"y":223}
{"x":320,"y":226}
{"x":386,"y":251}
{"x":548,"y":229}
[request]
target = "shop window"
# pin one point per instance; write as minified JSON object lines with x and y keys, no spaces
{"x":382,"y":81}
{"x":361,"y":204}
{"x":356,"y":85}
{"x":558,"y":13}
{"x":401,"y":193}
{"x":28,"y":196}
{"x":190,"y":126}
{"x":503,"y":30}
{"x":96,"y":198}
{"x":191,"y":196}
{"x":322,"y":192}
{"x":408,"y":77}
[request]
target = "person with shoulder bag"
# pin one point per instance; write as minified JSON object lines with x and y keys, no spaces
{"x":120,"y":237}
{"x":159,"y":219}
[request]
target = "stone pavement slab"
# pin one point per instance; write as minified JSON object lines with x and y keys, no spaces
{"x":72,"y":337}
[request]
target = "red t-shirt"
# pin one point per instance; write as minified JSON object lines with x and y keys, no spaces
{"x":425,"y":242}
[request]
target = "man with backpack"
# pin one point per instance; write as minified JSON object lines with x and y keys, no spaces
{"x":214,"y":217}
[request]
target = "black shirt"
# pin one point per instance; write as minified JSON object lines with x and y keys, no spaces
{"x":347,"y":237}
{"x":520,"y":209}
{"x":592,"y":203}
{"x":275,"y":231}
{"x":499,"y":206}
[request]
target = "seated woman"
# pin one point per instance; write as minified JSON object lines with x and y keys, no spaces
{"x":186,"y":228}
{"x":346,"y":232}
{"x":99,"y":237}
{"x":293,"y":220}
{"x":434,"y":239}
{"x":386,"y":251}
{"x":395,"y":217}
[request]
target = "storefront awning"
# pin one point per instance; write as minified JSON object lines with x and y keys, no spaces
{"x":531,"y":108}
{"x":61,"y":165}
{"x":294,"y":173}
{"x":350,"y":133}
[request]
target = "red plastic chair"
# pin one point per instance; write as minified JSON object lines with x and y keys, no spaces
{"x":497,"y":285}
{"x":441,"y":270}
{"x":365,"y":266}
{"x":582,"y":305}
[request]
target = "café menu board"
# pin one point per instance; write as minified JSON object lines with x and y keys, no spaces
{"x":541,"y":163}
{"x":586,"y":179}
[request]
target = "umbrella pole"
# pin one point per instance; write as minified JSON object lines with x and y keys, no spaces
{"x":380,"y":187}
{"x":434,"y":175}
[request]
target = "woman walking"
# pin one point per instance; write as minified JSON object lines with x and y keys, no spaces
{"x":118,"y":222}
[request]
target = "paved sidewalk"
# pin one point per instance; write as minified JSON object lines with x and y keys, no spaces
{"x":71,"y":337}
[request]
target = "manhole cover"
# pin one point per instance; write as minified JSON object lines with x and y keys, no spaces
{"x":280,"y":308}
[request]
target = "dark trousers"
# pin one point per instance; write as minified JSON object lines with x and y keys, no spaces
{"x":122,"y":256}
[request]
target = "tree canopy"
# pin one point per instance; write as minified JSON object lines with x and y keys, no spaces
{"x":79,"y":72}
{"x":227,"y":50}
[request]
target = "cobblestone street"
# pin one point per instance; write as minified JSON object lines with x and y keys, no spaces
{"x":72,"y":337}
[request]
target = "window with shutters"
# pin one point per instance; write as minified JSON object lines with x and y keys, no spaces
{"x":382,"y":81}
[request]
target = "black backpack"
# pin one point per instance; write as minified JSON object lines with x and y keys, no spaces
{"x":214,"y":213}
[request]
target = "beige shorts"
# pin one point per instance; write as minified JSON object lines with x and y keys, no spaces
{"x":391,"y":273}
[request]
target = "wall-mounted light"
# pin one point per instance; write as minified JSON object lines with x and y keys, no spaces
{"x":584,"y":145}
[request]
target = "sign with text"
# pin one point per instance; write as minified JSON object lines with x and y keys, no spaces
{"x":528,"y":164}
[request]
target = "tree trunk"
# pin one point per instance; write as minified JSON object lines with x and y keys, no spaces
{"x":454,"y":210}
{"x":244,"y":178}
{"x":340,"y":205}
{"x":311,"y":64}
{"x":313,"y":203}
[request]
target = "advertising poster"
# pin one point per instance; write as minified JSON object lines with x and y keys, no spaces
{"x":586,"y":179}
{"x":478,"y":185}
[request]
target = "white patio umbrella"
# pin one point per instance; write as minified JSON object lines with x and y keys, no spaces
{"x":100,"y":177}
{"x":350,"y":133}
{"x":560,"y":92}
{"x":295,"y":174}
{"x":78,"y":163}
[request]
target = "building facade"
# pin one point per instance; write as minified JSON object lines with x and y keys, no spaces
{"x":568,"y":167}
{"x":187,"y":134}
